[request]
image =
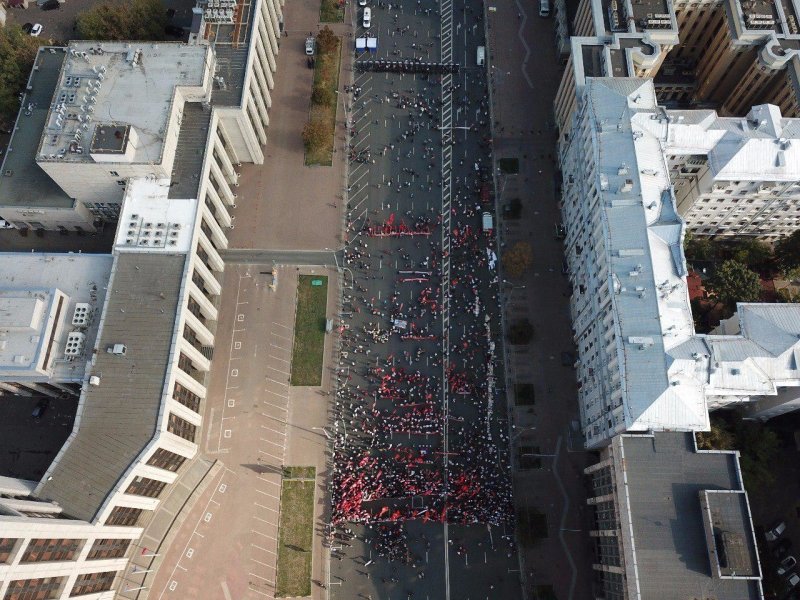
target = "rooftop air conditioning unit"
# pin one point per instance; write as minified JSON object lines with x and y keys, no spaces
{"x":117,"y":349}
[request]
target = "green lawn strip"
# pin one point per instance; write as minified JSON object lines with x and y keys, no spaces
{"x":331,"y":11}
{"x":326,"y":74}
{"x":295,"y":538}
{"x":299,"y":472}
{"x":309,"y":330}
{"x":509,"y":166}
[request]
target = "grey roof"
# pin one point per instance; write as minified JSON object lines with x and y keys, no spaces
{"x":231,"y":44}
{"x":189,"y":152}
{"x":119,"y":416}
{"x":665,"y":478}
{"x":28,"y":184}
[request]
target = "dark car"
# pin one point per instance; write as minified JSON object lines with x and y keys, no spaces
{"x":51,"y":5}
{"x":782,"y":548}
{"x":40,"y":408}
{"x":173,"y":30}
{"x":27,"y":27}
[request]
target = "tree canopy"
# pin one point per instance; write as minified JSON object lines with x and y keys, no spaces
{"x":17,"y":53}
{"x":733,"y":282}
{"x":132,"y":20}
{"x":787,"y":254}
{"x":517,"y":259}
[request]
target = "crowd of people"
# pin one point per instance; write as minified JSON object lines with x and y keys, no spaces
{"x":419,"y":430}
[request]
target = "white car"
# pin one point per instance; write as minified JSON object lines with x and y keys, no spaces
{"x":787,"y":564}
{"x":310,"y":45}
{"x":362,"y":2}
{"x":36,"y":30}
{"x":367,"y":20}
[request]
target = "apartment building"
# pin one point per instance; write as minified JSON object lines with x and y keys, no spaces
{"x":723,"y":54}
{"x":641,"y":367}
{"x":152,"y":142}
{"x":671,"y":521}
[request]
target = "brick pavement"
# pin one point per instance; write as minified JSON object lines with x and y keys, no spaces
{"x":284,"y":204}
{"x":525,"y":72}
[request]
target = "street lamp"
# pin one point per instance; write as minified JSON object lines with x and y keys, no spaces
{"x":519,"y":433}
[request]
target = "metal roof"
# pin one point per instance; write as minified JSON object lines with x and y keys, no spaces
{"x":22,"y":181}
{"x":665,"y":477}
{"x":119,"y":416}
{"x":190,"y":151}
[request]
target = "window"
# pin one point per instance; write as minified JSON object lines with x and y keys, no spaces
{"x":114,"y":173}
{"x":93,"y":583}
{"x":120,"y":182}
{"x":164,"y":459}
{"x":144,"y":486}
{"x":187,"y":398}
{"x":124,"y":516}
{"x":181,"y":427}
{"x":47,"y":550}
{"x":6,"y":548}
{"x":108,"y":548}
{"x":34,"y":589}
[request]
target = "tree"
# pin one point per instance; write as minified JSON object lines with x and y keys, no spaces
{"x":719,"y":438}
{"x":517,"y":259}
{"x":787,"y":255}
{"x":17,"y":53}
{"x":753,"y":253}
{"x":317,"y":132}
{"x":733,"y":282}
{"x":520,"y":332}
{"x":132,"y":20}
{"x":327,"y":41}
{"x":698,"y":248}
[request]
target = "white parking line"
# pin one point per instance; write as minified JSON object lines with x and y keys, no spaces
{"x":266,"y":494}
{"x":276,"y":381}
{"x":280,"y":359}
{"x":260,"y":577}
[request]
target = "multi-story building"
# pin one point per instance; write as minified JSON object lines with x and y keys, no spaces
{"x":151,"y":138}
{"x":97,"y":114}
{"x":671,"y":521}
{"x":49,"y":304}
{"x":641,"y":366}
{"x":725,"y":54}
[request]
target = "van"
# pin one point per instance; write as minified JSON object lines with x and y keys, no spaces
{"x":544,"y":8}
{"x":488,"y":223}
{"x":367,"y":20}
{"x":481,"y":56}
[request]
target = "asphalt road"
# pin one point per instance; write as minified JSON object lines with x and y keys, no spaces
{"x":420,"y":153}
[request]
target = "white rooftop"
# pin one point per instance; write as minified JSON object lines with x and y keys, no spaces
{"x":113,"y":100}
{"x":669,"y":372}
{"x":43,"y":299}
{"x":643,"y":242}
{"x":151,"y":222}
{"x":760,"y":147}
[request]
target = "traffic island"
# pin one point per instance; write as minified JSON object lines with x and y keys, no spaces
{"x":296,"y":533}
{"x":309,"y":330}
{"x":319,"y":131}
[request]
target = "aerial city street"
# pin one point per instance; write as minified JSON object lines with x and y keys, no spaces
{"x":399,"y":300}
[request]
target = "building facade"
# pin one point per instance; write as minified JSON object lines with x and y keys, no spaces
{"x":166,"y":169}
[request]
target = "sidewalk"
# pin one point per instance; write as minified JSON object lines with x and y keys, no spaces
{"x":283,"y":204}
{"x":525,"y":73}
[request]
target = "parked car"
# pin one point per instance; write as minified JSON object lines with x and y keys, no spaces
{"x":782,"y":549}
{"x":51,"y":5}
{"x":786,"y":565}
{"x":362,"y":2}
{"x":776,"y":531}
{"x":40,"y":408}
{"x":367,"y":20}
{"x":26,"y":28}
{"x":310,"y":45}
{"x":36,"y":30}
{"x":793,"y":580}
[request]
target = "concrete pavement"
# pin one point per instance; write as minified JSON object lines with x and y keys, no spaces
{"x":525,"y":72}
